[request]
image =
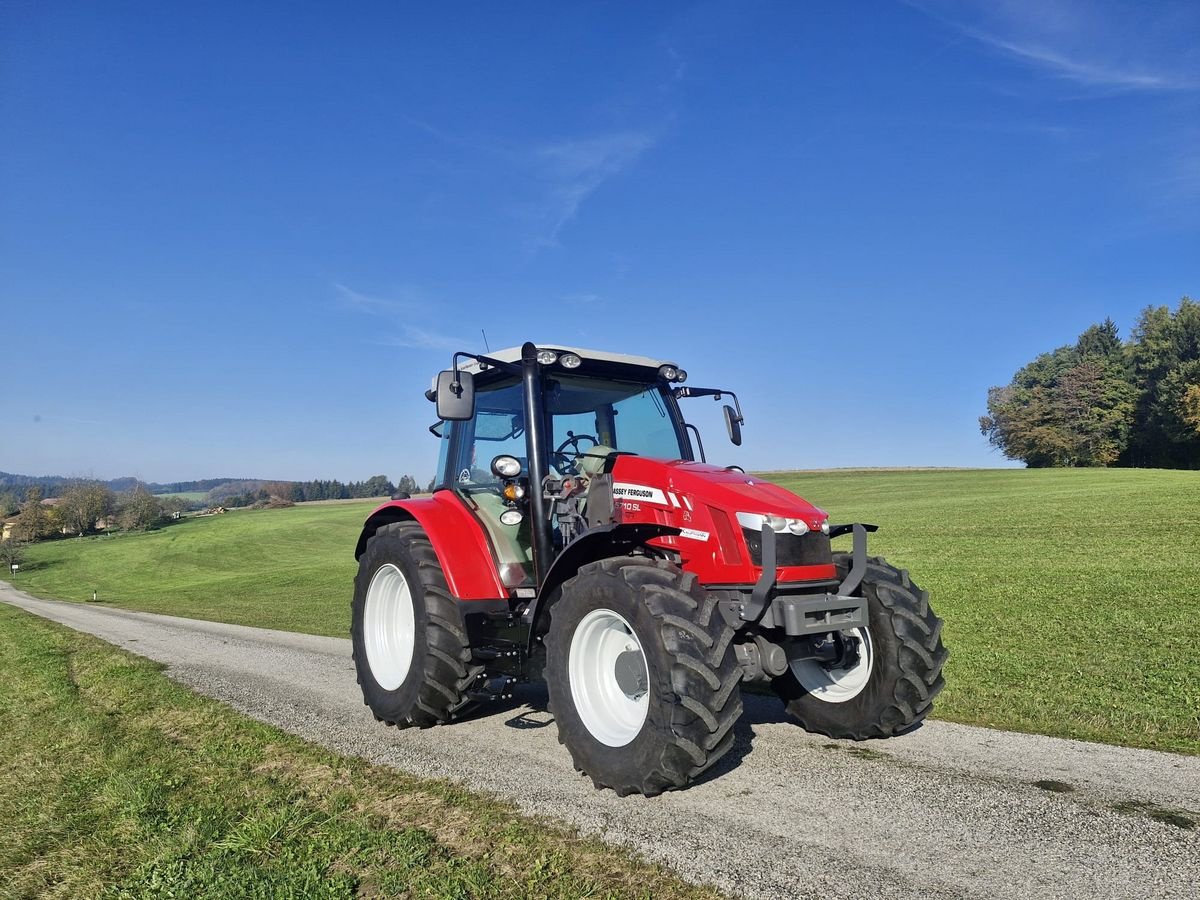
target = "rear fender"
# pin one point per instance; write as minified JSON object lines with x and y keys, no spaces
{"x":457,"y":537}
{"x":601,"y":542}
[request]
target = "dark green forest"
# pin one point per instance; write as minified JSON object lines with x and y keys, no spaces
{"x":1106,"y":402}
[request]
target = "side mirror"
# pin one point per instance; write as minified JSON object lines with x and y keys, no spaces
{"x":733,"y":425}
{"x":455,"y":398}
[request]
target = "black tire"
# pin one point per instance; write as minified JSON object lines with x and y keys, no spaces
{"x":440,"y":671}
{"x":694,"y":686}
{"x":906,"y":638}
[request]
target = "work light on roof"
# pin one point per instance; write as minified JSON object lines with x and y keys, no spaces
{"x":547,"y":357}
{"x":570,"y":361}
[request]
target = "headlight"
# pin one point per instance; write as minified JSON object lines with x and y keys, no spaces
{"x":511,"y":517}
{"x":504,"y":466}
{"x":778,"y":524}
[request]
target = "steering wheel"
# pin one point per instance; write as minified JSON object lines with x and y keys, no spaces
{"x":559,"y":457}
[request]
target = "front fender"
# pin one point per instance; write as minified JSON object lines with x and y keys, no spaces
{"x":457,"y":538}
{"x":596,"y":543}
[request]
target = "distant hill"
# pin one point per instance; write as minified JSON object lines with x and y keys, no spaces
{"x":52,"y":485}
{"x":226,"y":491}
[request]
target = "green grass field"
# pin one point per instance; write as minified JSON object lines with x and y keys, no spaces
{"x":1070,"y":596}
{"x":115,"y":782}
{"x":277,"y":568}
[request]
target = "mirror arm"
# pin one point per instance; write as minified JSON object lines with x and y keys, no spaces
{"x":716,"y":393}
{"x":487,"y":361}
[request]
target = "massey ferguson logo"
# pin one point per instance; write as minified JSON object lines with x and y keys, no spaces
{"x":623,"y":491}
{"x":635,"y":492}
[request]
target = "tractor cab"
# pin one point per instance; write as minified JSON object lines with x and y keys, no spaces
{"x":594,"y":407}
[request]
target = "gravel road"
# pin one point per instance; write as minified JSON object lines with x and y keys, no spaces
{"x":947,"y":811}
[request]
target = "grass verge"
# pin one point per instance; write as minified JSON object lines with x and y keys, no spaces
{"x":116,"y":782}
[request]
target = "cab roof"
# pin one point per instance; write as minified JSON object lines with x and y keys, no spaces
{"x":513,"y":354}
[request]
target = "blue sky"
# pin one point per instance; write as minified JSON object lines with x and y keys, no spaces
{"x":238,"y":239}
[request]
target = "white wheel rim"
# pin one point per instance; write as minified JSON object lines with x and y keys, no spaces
{"x":838,"y":685}
{"x":613,"y":716}
{"x":389,"y":629}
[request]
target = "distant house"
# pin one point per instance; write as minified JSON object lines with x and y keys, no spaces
{"x":9,"y":526}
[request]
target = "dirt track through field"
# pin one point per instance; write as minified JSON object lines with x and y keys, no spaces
{"x":947,"y":811}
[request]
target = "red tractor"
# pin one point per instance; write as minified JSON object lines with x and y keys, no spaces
{"x":573,"y":520}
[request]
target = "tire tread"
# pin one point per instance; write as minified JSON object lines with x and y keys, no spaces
{"x":921,"y":657}
{"x":705,"y":697}
{"x":447,"y":661}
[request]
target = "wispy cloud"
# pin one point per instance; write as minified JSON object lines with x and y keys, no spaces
{"x":424,"y":339}
{"x":1034,"y":129}
{"x":573,"y":169}
{"x":553,"y":179}
{"x":349,"y":298}
{"x":545,"y":183}
{"x":678,"y":65}
{"x":397,"y":313}
{"x":70,"y":420}
{"x":582,"y":298}
{"x":1098,"y":73}
{"x":1095,"y":45}
{"x":1179,"y":179}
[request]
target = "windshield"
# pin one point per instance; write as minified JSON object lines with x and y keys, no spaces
{"x":633,"y":417}
{"x":628,"y":416}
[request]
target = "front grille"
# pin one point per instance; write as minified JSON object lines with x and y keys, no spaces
{"x":809,"y":549}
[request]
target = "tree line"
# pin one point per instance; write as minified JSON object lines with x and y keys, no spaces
{"x":53,"y":485}
{"x":85,"y":507}
{"x":252,"y":493}
{"x":1106,"y":402}
{"x":220,"y":492}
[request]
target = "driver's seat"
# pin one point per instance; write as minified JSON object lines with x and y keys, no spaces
{"x":591,"y":462}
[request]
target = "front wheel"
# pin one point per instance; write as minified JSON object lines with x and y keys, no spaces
{"x":890,"y":682}
{"x":411,"y":650}
{"x":642,"y":679}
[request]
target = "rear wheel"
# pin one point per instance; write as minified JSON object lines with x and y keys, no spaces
{"x":410,"y":647}
{"x":642,"y":679}
{"x":889,"y":684}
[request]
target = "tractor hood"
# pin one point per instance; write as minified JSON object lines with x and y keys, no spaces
{"x":684,"y":485}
